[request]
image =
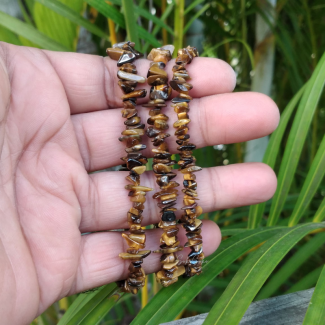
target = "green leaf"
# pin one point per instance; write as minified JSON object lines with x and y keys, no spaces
{"x":63,"y":10}
{"x":320,"y":213}
{"x":316,"y":310}
{"x":271,"y":153}
{"x":56,"y":26}
{"x":235,"y":300}
{"x":30,"y":33}
{"x":8,"y":36}
{"x":196,"y":16}
{"x":208,"y":51}
{"x":159,"y":22}
{"x":192,"y":5}
{"x":311,"y":184}
{"x":301,"y":256}
{"x":168,"y":302}
{"x":108,"y":11}
{"x":146,"y":36}
{"x":90,"y":308}
{"x":297,"y":139}
{"x":307,"y":281}
{"x":131,"y":24}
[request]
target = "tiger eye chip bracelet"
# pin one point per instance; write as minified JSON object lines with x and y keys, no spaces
{"x":134,"y":162}
{"x":162,"y":165}
{"x":187,"y":165}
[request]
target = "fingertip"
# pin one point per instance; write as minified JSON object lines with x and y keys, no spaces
{"x":211,"y":235}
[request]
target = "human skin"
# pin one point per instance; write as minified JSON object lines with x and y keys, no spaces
{"x":60,"y":120}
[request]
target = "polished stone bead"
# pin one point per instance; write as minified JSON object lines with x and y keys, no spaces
{"x":161,"y":155}
{"x":182,"y":115}
{"x":178,"y":67}
{"x":188,"y":146}
{"x":129,"y":67}
{"x":133,"y":120}
{"x":155,"y":111}
{"x":126,"y":57}
{"x":168,"y":216}
{"x":114,"y":53}
{"x":159,"y":55}
{"x":135,"y":148}
{"x":133,"y":132}
{"x":168,"y":196}
{"x":179,"y":86}
{"x":180,"y":123}
{"x":180,"y":100}
{"x":157,"y":80}
{"x":182,"y":74}
{"x":138,"y":188}
{"x":185,"y":96}
{"x":130,"y":77}
{"x":128,"y":104}
{"x":157,"y":68}
{"x":141,"y":254}
{"x":127,"y":86}
{"x":131,"y":163}
{"x":121,"y":44}
{"x":129,"y":112}
{"x":160,"y":92}
{"x":161,"y":169}
{"x":141,"y":93}
{"x":153,"y":103}
{"x":169,"y":48}
{"x":181,"y":131}
{"x":152,"y":132}
{"x":191,"y":169}
{"x":137,"y":126}
{"x":161,"y":125}
{"x":139,"y":170}
{"x":168,"y":250}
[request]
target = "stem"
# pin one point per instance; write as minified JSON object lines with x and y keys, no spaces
{"x":111,"y":28}
{"x":144,"y":296}
{"x":179,"y":25}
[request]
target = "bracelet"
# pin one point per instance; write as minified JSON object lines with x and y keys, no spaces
{"x":134,"y":162}
{"x":187,"y":165}
{"x":162,"y":166}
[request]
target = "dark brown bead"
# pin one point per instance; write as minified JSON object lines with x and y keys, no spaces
{"x":161,"y":125}
{"x":127,"y":86}
{"x":188,"y":146}
{"x":167,"y":205}
{"x":181,"y":131}
{"x":128,"y":104}
{"x":157,"y":80}
{"x":161,"y":169}
{"x":155,"y":111}
{"x":135,"y":148}
{"x":141,"y":93}
{"x":129,"y":67}
{"x":152,"y":132}
{"x":157,"y":68}
{"x":126,"y":57}
{"x":129,"y":112}
{"x":133,"y":163}
{"x":179,"y":86}
{"x":134,"y":127}
{"x":133,"y":120}
{"x":160,"y":92}
{"x":114,"y":53}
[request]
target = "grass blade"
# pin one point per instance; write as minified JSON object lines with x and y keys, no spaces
{"x":271,"y":153}
{"x":307,"y":281}
{"x":297,"y":139}
{"x":311,"y":184}
{"x":31,"y":33}
{"x":63,"y":10}
{"x":231,"y":306}
{"x":316,"y":310}
{"x":108,"y":11}
{"x":91,"y":307}
{"x":301,"y":256}
{"x":196,"y":16}
{"x":320,"y":213}
{"x":168,"y":302}
{"x":131,"y":24}
{"x":192,"y":5}
{"x":178,"y":25}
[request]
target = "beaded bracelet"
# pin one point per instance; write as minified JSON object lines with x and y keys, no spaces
{"x":187,"y":165}
{"x":162,"y":165}
{"x":134,"y":162}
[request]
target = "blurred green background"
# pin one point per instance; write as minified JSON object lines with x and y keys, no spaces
{"x":275,"y":47}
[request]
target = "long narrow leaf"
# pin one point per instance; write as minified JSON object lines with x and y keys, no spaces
{"x":320,"y":213}
{"x":63,"y":10}
{"x":256,"y":211}
{"x":231,"y":306}
{"x":167,"y":303}
{"x":196,"y":16}
{"x":316,"y":310}
{"x":30,"y":33}
{"x":291,"y":266}
{"x":131,"y":24}
{"x":311,"y":184}
{"x":91,"y":306}
{"x":297,"y":139}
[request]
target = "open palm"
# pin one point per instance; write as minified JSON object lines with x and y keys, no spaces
{"x":59,"y":120}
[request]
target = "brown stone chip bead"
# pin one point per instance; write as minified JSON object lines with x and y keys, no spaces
{"x":162,"y":165}
{"x":134,"y":162}
{"x":187,"y":165}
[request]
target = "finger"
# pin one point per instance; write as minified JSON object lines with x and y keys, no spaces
{"x":226,"y":118}
{"x":218,"y":188}
{"x":91,"y":81}
{"x":100,"y":263}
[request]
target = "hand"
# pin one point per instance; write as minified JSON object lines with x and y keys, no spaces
{"x":60,"y":120}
